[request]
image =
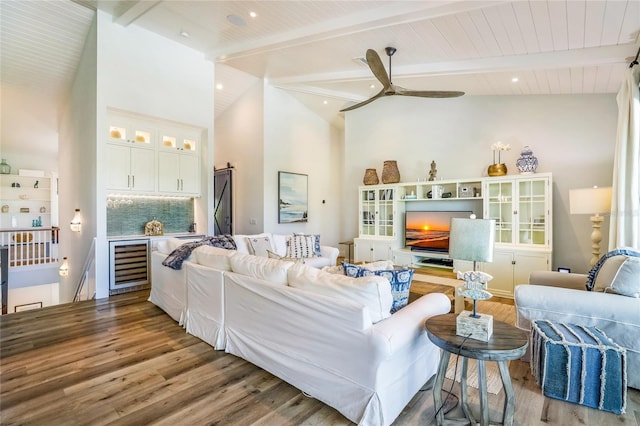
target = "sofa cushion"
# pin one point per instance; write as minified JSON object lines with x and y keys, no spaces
{"x":627,"y":279}
{"x":213,"y":257}
{"x":273,"y":270}
{"x":607,"y":272}
{"x":316,"y":242}
{"x":336,"y":269}
{"x":602,"y":273}
{"x":259,"y":246}
{"x":273,"y":255}
{"x":374,"y":292}
{"x":301,"y":246}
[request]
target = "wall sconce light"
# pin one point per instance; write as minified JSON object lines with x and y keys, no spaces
{"x":76,"y":222}
{"x":64,"y":268}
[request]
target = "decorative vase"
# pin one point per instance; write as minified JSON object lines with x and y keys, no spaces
{"x":370,"y":177}
{"x":390,"y":172}
{"x":5,"y":169}
{"x":497,"y":169}
{"x":527,"y":163}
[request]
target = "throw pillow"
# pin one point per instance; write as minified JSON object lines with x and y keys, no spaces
{"x":259,"y":246}
{"x":400,"y":280}
{"x":595,"y":271}
{"x":627,"y":279}
{"x":301,"y":246}
{"x":354,"y":271}
{"x":316,"y":242}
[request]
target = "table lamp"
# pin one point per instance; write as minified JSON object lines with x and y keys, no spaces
{"x":591,"y":201}
{"x":472,"y":240}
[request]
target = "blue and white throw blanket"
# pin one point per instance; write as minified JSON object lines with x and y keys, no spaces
{"x":175,"y":258}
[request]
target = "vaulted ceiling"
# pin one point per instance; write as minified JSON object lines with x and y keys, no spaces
{"x":314,"y":48}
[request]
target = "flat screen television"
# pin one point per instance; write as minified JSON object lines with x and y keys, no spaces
{"x":429,"y":230}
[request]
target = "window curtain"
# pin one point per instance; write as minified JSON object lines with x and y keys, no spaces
{"x":625,"y":200}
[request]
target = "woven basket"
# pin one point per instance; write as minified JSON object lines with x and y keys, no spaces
{"x":370,"y":177}
{"x":390,"y":172}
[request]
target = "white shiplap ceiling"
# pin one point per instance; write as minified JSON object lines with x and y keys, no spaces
{"x":309,"y":47}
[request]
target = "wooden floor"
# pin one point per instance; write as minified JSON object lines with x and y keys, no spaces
{"x":123,"y":361}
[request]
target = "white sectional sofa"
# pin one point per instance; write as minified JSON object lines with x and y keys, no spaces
{"x":329,"y":335}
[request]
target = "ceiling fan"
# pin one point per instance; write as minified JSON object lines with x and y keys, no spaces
{"x":388,"y":88}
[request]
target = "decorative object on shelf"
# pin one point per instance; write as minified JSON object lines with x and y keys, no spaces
{"x":436,"y":191}
{"x":64,"y":268}
{"x":527,"y":163}
{"x":115,"y":133}
{"x":591,"y":201}
{"x":35,"y":185}
{"x":390,"y":172}
{"x":370,"y":177}
{"x":43,"y":209}
{"x":15,"y":185}
{"x":433,"y":171}
{"x":76,"y":222}
{"x":36,"y":223}
{"x":5,"y":209}
{"x":153,"y":228}
{"x":498,"y":168}
{"x":472,"y":240}
{"x":23,"y":197}
{"x":5,"y":169}
{"x":14,"y":222}
{"x":24,"y":209}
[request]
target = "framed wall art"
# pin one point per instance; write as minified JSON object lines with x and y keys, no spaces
{"x":293,"y":199}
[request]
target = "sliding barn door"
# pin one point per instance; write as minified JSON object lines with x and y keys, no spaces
{"x":223,"y":202}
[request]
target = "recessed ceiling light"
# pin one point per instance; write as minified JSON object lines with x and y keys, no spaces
{"x":514,"y":79}
{"x":184,"y":34}
{"x":219,"y":86}
{"x":372,"y":86}
{"x":325,"y":102}
{"x":253,"y":14}
{"x":236,"y":20}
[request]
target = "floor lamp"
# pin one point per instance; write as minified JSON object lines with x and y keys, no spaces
{"x":472,"y":240}
{"x":593,"y":201}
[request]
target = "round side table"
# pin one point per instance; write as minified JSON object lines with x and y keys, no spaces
{"x":506,"y":343}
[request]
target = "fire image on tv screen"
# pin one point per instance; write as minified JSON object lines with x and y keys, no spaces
{"x":429,"y":230}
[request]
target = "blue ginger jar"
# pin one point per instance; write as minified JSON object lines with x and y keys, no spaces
{"x":527,"y":163}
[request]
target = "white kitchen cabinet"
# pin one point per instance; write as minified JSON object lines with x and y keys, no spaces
{"x":130,"y":168}
{"x":510,"y":268}
{"x":179,"y":139}
{"x":178,"y":173}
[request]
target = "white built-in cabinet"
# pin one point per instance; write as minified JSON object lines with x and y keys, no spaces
{"x":149,"y":156}
{"x":379,"y":226}
{"x":520,"y":204}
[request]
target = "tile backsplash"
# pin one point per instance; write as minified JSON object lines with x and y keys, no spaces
{"x":128,"y":216}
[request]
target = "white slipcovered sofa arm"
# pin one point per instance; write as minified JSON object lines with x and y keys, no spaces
{"x":330,"y":253}
{"x":401,"y":328}
{"x":558,"y":279}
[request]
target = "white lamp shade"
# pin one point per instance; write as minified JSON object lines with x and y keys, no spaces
{"x":590,"y":200}
{"x":472,"y":239}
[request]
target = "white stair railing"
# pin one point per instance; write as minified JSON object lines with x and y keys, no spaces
{"x":86,"y":288}
{"x":31,"y":247}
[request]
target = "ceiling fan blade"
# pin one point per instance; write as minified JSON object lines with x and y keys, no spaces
{"x":377,"y":68}
{"x":363,"y":103}
{"x":428,"y":93}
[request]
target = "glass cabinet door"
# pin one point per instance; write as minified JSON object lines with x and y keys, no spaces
{"x":532,"y":209}
{"x":500,"y":208}
{"x":385,"y":212}
{"x":368,"y":212}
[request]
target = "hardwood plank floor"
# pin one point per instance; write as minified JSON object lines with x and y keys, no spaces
{"x":123,"y":361}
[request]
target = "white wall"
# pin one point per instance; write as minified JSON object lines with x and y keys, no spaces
{"x":297,"y":140}
{"x":78,"y":161}
{"x":573,"y":136}
{"x":144,"y":73}
{"x":239,"y":141}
